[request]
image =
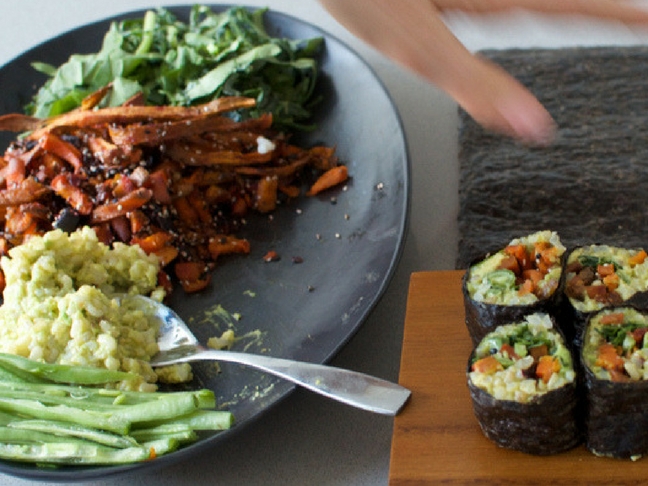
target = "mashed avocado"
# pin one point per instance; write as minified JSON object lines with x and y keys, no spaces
{"x":59,"y":303}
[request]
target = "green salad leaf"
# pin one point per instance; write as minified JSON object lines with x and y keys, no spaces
{"x":172,"y":62}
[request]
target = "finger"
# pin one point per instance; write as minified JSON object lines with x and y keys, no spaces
{"x":412,"y":33}
{"x":604,"y":9}
{"x":497,"y":101}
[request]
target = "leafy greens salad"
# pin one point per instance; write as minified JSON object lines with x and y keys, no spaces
{"x":171,"y":62}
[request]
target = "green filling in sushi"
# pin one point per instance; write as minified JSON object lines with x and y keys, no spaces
{"x":521,"y":361}
{"x":527,"y":270}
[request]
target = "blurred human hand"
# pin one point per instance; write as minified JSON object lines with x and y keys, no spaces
{"x":412,"y":33}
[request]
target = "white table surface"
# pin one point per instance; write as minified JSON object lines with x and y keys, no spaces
{"x":308,"y":439}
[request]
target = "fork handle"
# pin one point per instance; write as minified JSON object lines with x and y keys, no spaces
{"x":351,"y":387}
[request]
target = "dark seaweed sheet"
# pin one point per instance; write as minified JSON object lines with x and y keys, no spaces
{"x":616,"y":418}
{"x":591,"y":185}
{"x":549,"y":424}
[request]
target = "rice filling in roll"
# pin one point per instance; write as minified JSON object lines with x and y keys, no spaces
{"x":600,"y":276}
{"x":523,"y":387}
{"x":615,"y":362}
{"x":522,"y":278}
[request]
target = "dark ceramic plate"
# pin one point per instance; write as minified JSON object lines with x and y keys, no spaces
{"x":349,"y":239}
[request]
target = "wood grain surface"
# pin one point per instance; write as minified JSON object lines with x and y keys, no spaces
{"x":436,"y":437}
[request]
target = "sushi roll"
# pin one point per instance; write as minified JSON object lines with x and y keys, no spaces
{"x":522,"y":278}
{"x":615,"y":369}
{"x":523,"y":387}
{"x":599,"y":276}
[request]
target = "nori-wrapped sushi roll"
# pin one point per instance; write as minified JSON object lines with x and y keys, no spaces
{"x":522,"y":278}
{"x":615,"y":369}
{"x":600,"y":276}
{"x":523,"y":387}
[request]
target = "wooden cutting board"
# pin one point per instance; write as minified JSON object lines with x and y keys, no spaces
{"x":436,"y":437}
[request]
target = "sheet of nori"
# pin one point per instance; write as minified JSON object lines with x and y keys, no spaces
{"x":547,"y":425}
{"x":591,"y":185}
{"x":482,"y":318}
{"x":616,"y":417}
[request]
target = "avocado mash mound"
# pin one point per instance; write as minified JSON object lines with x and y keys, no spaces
{"x":58,"y":306}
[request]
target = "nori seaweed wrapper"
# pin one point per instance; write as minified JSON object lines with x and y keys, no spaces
{"x":590,"y":183}
{"x":543,"y":427}
{"x":546,"y":425}
{"x":616,"y":413}
{"x":482,"y":318}
{"x":616,"y":418}
{"x":573,"y":321}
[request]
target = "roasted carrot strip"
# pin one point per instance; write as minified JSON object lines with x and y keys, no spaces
{"x":510,"y":263}
{"x":158,"y":182}
{"x":18,"y":122}
{"x":608,"y":357}
{"x":63,"y":149}
{"x":279,"y":171}
{"x":266,"y":194}
{"x":197,"y":202}
{"x":323,"y":158}
{"x":186,"y":212}
{"x":527,"y":287}
{"x":547,"y":366}
{"x":534,"y":275}
{"x":225,"y":244}
{"x":638,"y":258}
{"x":193,"y":276}
{"x":28,"y":191}
{"x":611,"y":281}
{"x":134,"y":114}
{"x":290,"y":191}
{"x":122,"y":207}
{"x":14,"y":172}
{"x":605,"y":269}
{"x":488,"y":365}
{"x":138,"y":221}
{"x":20,"y":223}
{"x":75,"y":197}
{"x":159,"y":244}
{"x":153,"y":242}
{"x":156,"y":133}
{"x":613,"y":318}
{"x":166,"y":255}
{"x":189,"y":155}
{"x":330,"y":178}
{"x":104,"y":150}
